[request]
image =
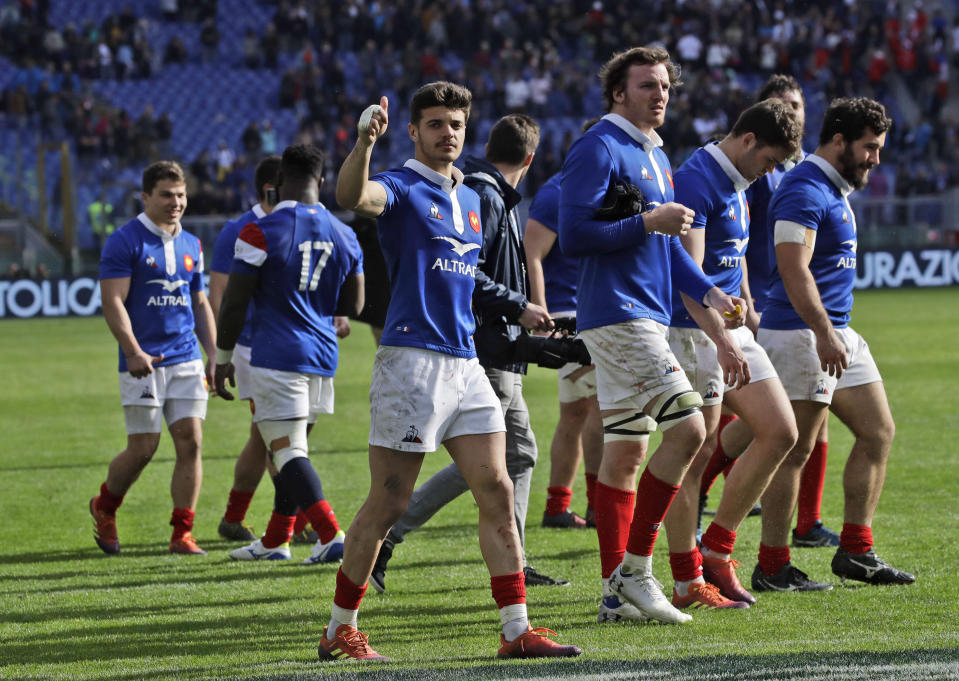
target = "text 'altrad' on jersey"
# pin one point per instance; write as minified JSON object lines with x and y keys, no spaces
{"x":302,"y":255}
{"x":431,"y":234}
{"x":164,"y":270}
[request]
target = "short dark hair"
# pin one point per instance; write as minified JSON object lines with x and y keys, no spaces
{"x":159,"y":171}
{"x":512,"y":139}
{"x":440,"y":93}
{"x":265,"y":174}
{"x":773,"y":123}
{"x":302,"y":162}
{"x":851,"y":116}
{"x":613,"y":73}
{"x":777,"y":85}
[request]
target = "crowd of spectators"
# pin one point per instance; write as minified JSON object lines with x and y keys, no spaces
{"x":539,"y":56}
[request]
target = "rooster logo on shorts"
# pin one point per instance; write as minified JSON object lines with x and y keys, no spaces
{"x":412,"y":435}
{"x":821,"y":388}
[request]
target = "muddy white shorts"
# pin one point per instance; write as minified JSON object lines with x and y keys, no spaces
{"x":420,"y":398}
{"x":633,"y":363}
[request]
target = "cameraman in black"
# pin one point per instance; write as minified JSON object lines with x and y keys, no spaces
{"x":504,"y":313}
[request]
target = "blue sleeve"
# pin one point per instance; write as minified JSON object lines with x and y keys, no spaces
{"x":690,"y":192}
{"x":545,"y":206}
{"x":116,"y":261}
{"x":687,"y":276}
{"x":394,"y":189}
{"x":196,"y":282}
{"x":798,"y":202}
{"x":222,"y":259}
{"x":587,"y":172}
{"x":352,"y":246}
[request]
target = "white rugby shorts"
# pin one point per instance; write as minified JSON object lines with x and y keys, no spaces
{"x":697,"y":355}
{"x":241,"y":371}
{"x":284,"y":395}
{"x":420,"y":398}
{"x":171,"y":392}
{"x":633,"y":363}
{"x":793,"y":353}
{"x":576,"y":382}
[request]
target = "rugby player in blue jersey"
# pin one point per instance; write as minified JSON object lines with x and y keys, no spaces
{"x":630,"y":266}
{"x":809,"y":531}
{"x":822,"y":362}
{"x":297,"y":265}
{"x":428,"y":387}
{"x":713,"y":182}
{"x":151,"y":282}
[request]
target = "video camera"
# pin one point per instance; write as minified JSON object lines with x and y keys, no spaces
{"x":555,"y":350}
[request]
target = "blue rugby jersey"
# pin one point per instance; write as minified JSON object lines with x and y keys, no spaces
{"x":302,"y":254}
{"x":560,"y":272}
{"x":760,"y":233}
{"x":710,"y":184}
{"x":222,"y":260}
{"x":813,"y":194}
{"x":164,"y":270}
{"x":624,"y":273}
{"x":430,"y":233}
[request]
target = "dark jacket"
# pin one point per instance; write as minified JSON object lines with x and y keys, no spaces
{"x":502,"y":284}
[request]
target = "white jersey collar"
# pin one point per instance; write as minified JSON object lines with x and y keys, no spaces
{"x":740,"y":183}
{"x":258,"y":211}
{"x":446,"y":184}
{"x":156,"y":229}
{"x":844,"y":187}
{"x":285,"y":204}
{"x":649,"y":142}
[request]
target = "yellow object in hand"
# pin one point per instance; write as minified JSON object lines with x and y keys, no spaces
{"x":730,"y":315}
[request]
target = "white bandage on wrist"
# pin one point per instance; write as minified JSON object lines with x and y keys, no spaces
{"x":367,"y":116}
{"x":224,"y":356}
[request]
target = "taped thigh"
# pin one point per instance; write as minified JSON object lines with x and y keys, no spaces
{"x":628,"y":426}
{"x":286,"y":440}
{"x":677,"y":404}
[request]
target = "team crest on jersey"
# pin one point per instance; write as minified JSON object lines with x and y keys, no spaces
{"x":188,"y":262}
{"x":644,"y":175}
{"x":151,"y":261}
{"x":845,"y":216}
{"x":312,"y":211}
{"x":731,"y":214}
{"x":670,"y":367}
{"x":412,"y":435}
{"x":435,"y":212}
{"x":474,"y":221}
{"x":821,"y":388}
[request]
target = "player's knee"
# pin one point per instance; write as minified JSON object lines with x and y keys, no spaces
{"x":677,"y":405}
{"x":628,"y":426}
{"x":286,"y":440}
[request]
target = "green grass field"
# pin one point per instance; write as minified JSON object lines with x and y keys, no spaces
{"x":67,"y":611}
